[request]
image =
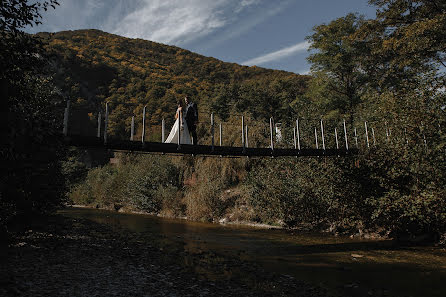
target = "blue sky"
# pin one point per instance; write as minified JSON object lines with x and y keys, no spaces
{"x":266,"y":33}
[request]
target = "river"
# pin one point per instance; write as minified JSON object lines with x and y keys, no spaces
{"x":341,"y":264}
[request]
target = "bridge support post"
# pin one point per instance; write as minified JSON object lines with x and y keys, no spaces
{"x":366,"y":134}
{"x":345,"y":136}
{"x":271,"y":125}
{"x":98,"y":132}
{"x":143,"y":134}
{"x":294,"y":138}
{"x":373,"y":135}
{"x":65,"y":118}
{"x":406,"y":140}
{"x":106,"y":123}
{"x":132,"y":128}
{"x":179,"y":130}
{"x":315,"y":137}
{"x":356,"y":138}
{"x":298,"y":134}
{"x":221,"y":135}
{"x":390,"y":135}
{"x":323,"y":137}
{"x":336,"y":138}
{"x":212,"y":130}
{"x":246,"y":136}
{"x":243,"y":133}
{"x":424,"y":136}
{"x":163,"y":129}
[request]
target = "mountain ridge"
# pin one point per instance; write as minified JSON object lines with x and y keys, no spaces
{"x":93,"y":67}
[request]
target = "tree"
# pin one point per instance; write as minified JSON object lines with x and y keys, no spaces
{"x":337,"y":62}
{"x":406,"y":39}
{"x":407,"y":51}
{"x":18,"y":50}
{"x":30,"y":177}
{"x":413,"y":30}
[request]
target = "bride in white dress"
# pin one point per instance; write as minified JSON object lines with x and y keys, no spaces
{"x":173,"y":135}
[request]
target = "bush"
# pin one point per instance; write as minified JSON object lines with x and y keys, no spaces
{"x":98,"y":188}
{"x":412,"y":195}
{"x":150,"y":176}
{"x":204,"y":191}
{"x":141,"y":184}
{"x":300,"y":191}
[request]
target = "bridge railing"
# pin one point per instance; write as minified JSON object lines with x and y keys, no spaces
{"x":245,"y":131}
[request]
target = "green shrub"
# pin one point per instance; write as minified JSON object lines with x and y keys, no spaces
{"x":299,"y":191}
{"x":98,"y":187}
{"x":412,"y":195}
{"x":205,"y":188}
{"x":171,"y":201}
{"x":148,"y":177}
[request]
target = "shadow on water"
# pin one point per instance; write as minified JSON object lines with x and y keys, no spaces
{"x":351,"y":267}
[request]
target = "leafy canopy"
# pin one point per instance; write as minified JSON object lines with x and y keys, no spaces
{"x":335,"y":62}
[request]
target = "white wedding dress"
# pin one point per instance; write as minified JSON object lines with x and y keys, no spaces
{"x":173,"y":135}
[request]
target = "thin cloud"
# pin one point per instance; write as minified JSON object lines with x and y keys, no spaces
{"x":86,"y":14}
{"x":245,"y":24}
{"x":178,"y":22}
{"x":174,"y":22}
{"x":278,"y":55}
{"x":244,"y":4}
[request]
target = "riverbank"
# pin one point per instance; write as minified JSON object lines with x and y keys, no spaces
{"x":227,"y":221}
{"x":63,"y":256}
{"x":282,"y":192}
{"x":224,"y":221}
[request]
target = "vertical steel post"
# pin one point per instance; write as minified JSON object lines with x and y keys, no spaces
{"x":373,"y":135}
{"x":294,"y":137}
{"x":323,"y":138}
{"x":336,"y":137}
{"x":243,"y":132}
{"x":98,"y":135}
{"x":424,"y":136}
{"x":345,"y":136}
{"x":179,"y":129}
{"x":163,"y":130}
{"x":106,"y":123}
{"x":246,"y":136}
{"x":65,"y":118}
{"x":315,"y":136}
{"x":221,"y":134}
{"x":212,"y":130}
{"x":366,"y":134}
{"x":132,"y":129}
{"x":356,"y":138}
{"x":387,"y":131}
{"x":298,"y":134}
{"x":405,"y":136}
{"x":390,"y":135}
{"x":271,"y":133}
{"x":143,"y":134}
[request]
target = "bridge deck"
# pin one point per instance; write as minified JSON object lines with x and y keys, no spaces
{"x":172,"y":148}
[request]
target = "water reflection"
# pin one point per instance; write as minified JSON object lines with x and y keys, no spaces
{"x":348,"y":265}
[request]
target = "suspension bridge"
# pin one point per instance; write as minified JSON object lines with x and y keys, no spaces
{"x":317,"y":138}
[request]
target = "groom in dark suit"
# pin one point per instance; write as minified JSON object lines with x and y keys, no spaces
{"x":191,"y":118}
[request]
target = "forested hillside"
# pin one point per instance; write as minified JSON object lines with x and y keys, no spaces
{"x":94,"y":67}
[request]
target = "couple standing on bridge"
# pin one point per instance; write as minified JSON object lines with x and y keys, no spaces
{"x":186,"y":124}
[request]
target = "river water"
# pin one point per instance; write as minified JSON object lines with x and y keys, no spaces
{"x":343,"y":265}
